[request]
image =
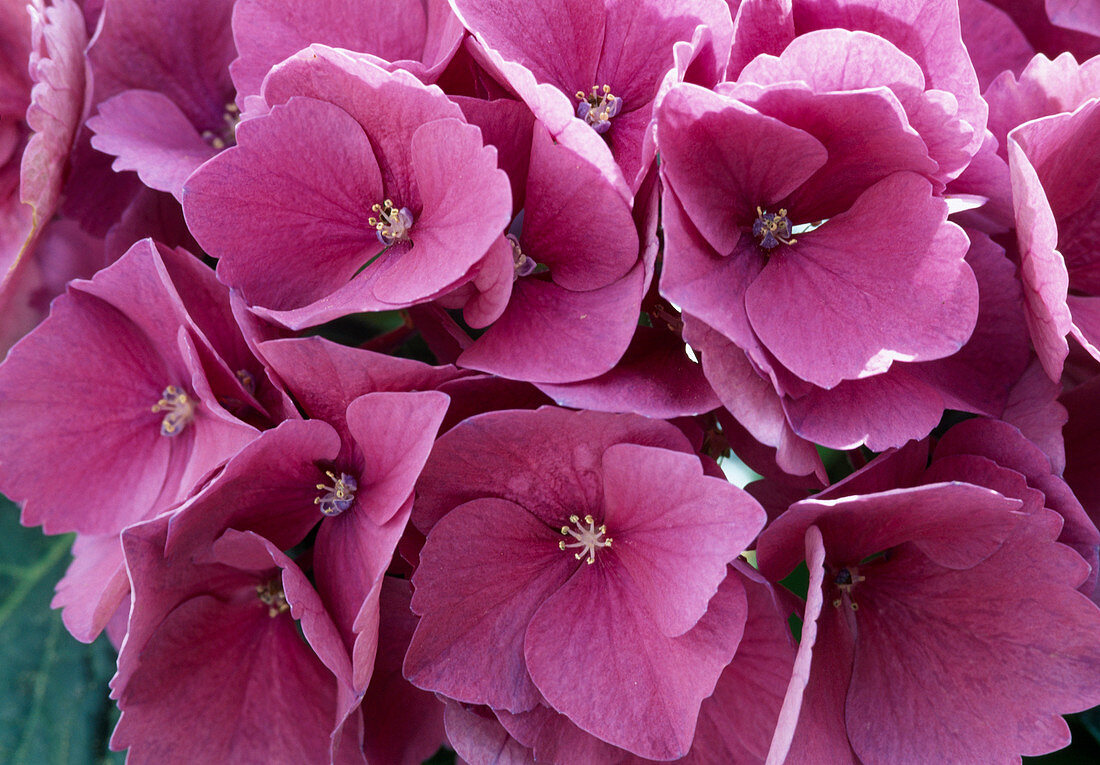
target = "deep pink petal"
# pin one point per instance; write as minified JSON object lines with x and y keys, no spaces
{"x":966,"y":619}
{"x":395,"y":432}
{"x":94,"y":586}
{"x":486,"y":568}
{"x":351,"y":554}
{"x":751,"y":398}
{"x":563,"y":192}
{"x":724,"y":158}
{"x":674,"y":530}
{"x":550,"y":334}
{"x":645,"y":700}
{"x":811,"y":719}
{"x":455,"y":228}
{"x":654,"y":377}
{"x":300,"y":213}
{"x":922,"y":294}
{"x":927,"y":514}
{"x":477,"y":737}
{"x":148,"y":133}
{"x":1042,"y":269}
{"x":929,"y":32}
{"x":57,"y":103}
{"x":418,"y":36}
{"x":182,"y":51}
{"x":490,"y":456}
{"x":979,"y":377}
{"x":403,"y":724}
{"x":269,"y":487}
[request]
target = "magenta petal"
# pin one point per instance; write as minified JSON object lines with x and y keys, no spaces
{"x":674,"y":530}
{"x":403,"y":724}
{"x":295,"y":714}
{"x":119,"y":376}
{"x":978,"y":378}
{"x":417,"y":36}
{"x":881,"y":411}
{"x":645,"y":700}
{"x":790,"y":714}
{"x":485,"y":569}
{"x":966,"y":619}
{"x":325,"y":377}
{"x":1075,"y":14}
{"x":286,"y":208}
{"x":57,"y":102}
{"x":921,"y":292}
{"x":148,"y":133}
{"x":94,"y":586}
{"x":858,"y":526}
{"x":479,"y":739}
{"x":564,"y":189}
{"x":561,"y":43}
{"x":654,"y":377}
{"x":993,"y":40}
{"x":736,"y":724}
{"x":724,"y":158}
{"x":469,"y":460}
{"x":1042,"y":269}
{"x":182,"y":50}
{"x":351,"y":553}
{"x":268,"y":487}
{"x":456,"y":228}
{"x":550,"y":334}
{"x":927,"y":31}
{"x":751,"y":399}
{"x":819,"y":682}
{"x":233,"y":665}
{"x":395,"y":432}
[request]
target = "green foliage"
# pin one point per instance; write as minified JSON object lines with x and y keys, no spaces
{"x":54,"y":706}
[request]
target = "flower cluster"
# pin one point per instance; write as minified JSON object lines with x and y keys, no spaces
{"x":384,"y":359}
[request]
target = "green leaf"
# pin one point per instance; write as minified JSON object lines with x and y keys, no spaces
{"x":54,"y":707}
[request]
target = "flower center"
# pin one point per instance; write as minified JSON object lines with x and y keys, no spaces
{"x":524,"y":266}
{"x":180,"y":410}
{"x":392,"y":224}
{"x":338,"y":497}
{"x":772,"y":228}
{"x":599,"y":107}
{"x":248,"y":380}
{"x":845,"y":580}
{"x":588,"y":539}
{"x":271,"y":594}
{"x":227,"y":136}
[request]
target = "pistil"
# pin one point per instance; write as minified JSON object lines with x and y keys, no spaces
{"x":588,"y":539}
{"x":227,"y":136}
{"x":180,"y":410}
{"x":271,"y":594}
{"x":598,"y":107}
{"x":524,"y":265}
{"x":392,"y":224}
{"x":772,"y":229}
{"x":845,"y":580}
{"x":338,"y":497}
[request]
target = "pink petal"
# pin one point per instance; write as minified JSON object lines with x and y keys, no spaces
{"x":266,"y":209}
{"x":645,"y":700}
{"x":674,"y":530}
{"x":923,"y":295}
{"x":148,"y":133}
{"x":486,"y":568}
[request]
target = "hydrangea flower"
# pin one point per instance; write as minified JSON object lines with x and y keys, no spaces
{"x":220,"y":622}
{"x":931,"y":577}
{"x":349,"y":195}
{"x":529,"y":569}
